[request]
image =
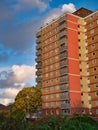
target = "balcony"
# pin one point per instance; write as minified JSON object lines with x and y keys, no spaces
{"x":39,"y":59}
{"x":38,"y":66}
{"x":62,"y":19}
{"x":64,"y":88}
{"x":39,"y":52}
{"x":64,"y":63}
{"x":38,"y":34}
{"x":38,"y":40}
{"x":63,"y":56}
{"x":39,"y":85}
{"x":65,"y":105}
{"x":64,"y":71}
{"x":65,"y":97}
{"x":39,"y":72}
{"x":62,"y":26}
{"x":63,"y":40}
{"x":38,"y":79}
{"x":63,"y":48}
{"x":63,"y":80}
{"x":66,"y":112}
{"x":62,"y":33}
{"x":38,"y":46}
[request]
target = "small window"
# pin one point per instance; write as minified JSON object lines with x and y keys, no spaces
{"x":91,"y":17}
{"x":81,"y":94}
{"x":92,"y":31}
{"x":78,"y":40}
{"x":92,"y":38}
{"x":94,"y":61}
{"x":96,"y":85}
{"x":94,"y":53}
{"x":93,"y":45}
{"x":95,"y":69}
{"x":95,"y":77}
{"x":96,"y":93}
{"x":80,"y":70}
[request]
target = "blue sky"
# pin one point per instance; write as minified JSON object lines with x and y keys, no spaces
{"x":19,"y":20}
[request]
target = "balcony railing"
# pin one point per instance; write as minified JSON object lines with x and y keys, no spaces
{"x":63,"y":33}
{"x":63,"y":56}
{"x":39,"y":59}
{"x":64,"y":71}
{"x":62,"y":19}
{"x":63,"y":63}
{"x":63,"y":48}
{"x":38,"y":72}
{"x":65,"y":97}
{"x":64,"y":80}
{"x":65,"y":105}
{"x":38,"y":34}
{"x":63,"y":40}
{"x":64,"y":88}
{"x":39,"y":52}
{"x":39,"y":65}
{"x":38,"y":40}
{"x":38,"y":79}
{"x":39,"y":85}
{"x":38,"y":46}
{"x":62,"y":26}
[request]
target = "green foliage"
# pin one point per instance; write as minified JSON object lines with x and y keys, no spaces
{"x":16,"y":121}
{"x":28,"y":99}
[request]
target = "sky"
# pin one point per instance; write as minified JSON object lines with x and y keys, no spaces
{"x":19,"y":21}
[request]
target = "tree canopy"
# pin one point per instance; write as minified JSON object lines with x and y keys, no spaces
{"x":28,"y":100}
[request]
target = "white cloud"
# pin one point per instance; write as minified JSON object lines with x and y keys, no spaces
{"x":6,"y":101}
{"x":31,"y":4}
{"x":68,"y":8}
{"x":58,"y":11}
{"x":23,"y":72}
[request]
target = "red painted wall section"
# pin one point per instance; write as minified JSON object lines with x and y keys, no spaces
{"x":73,"y":62}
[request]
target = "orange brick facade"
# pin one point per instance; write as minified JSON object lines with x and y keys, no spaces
{"x":64,"y":67}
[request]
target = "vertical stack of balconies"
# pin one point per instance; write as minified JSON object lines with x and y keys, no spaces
{"x":65,"y":105}
{"x":39,"y":60}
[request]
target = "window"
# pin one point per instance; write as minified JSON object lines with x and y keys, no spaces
{"x":46,"y":89}
{"x":46,"y":75}
{"x":91,"y":17}
{"x":96,"y":111}
{"x":47,"y":81}
{"x":80,"y":70}
{"x":57,"y":87}
{"x":47,"y":96}
{"x":57,"y":103}
{"x":94,"y":69}
{"x":52,"y":104}
{"x":51,"y":88}
{"x":92,"y":31}
{"x":94,"y":61}
{"x":47,"y":104}
{"x":57,"y":95}
{"x":93,"y":45}
{"x":96,"y":93}
{"x":52,"y":96}
{"x":92,"y":38}
{"x":81,"y":94}
{"x":96,"y":85}
{"x":57,"y":112}
{"x":93,"y":53}
{"x":95,"y":77}
{"x":96,"y":102}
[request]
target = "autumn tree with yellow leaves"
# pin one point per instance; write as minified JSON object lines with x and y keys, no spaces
{"x":28,"y":99}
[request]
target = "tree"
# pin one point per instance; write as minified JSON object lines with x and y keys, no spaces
{"x":28,"y":100}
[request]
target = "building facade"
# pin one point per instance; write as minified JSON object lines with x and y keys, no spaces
{"x":67,"y":64}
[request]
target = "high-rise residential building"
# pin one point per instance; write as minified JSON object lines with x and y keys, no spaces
{"x":67,"y":64}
